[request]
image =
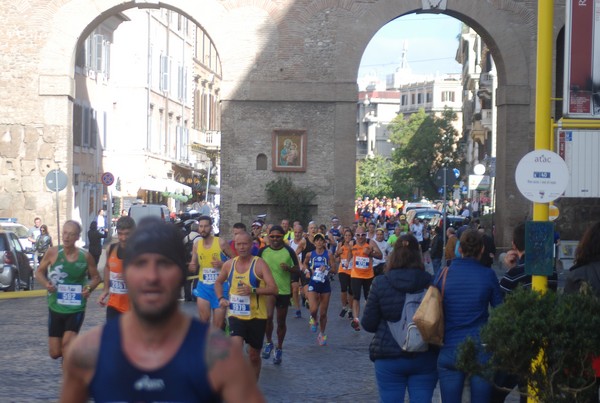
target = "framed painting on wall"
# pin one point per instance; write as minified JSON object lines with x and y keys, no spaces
{"x":289,"y":150}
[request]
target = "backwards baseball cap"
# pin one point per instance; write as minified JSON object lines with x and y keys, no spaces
{"x":319,"y":236}
{"x":153,"y":235}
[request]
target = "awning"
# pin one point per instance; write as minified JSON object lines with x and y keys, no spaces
{"x":165,"y":185}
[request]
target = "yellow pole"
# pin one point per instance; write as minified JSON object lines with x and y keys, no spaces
{"x":543,"y":124}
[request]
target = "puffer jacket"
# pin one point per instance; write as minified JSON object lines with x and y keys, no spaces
{"x":385,"y":303}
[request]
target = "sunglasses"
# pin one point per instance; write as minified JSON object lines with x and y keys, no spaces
{"x":361,"y":235}
{"x":275,"y":236}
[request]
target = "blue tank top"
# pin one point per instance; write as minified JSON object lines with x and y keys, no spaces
{"x":183,"y":379}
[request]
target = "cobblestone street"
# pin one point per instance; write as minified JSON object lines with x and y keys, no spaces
{"x":338,"y":372}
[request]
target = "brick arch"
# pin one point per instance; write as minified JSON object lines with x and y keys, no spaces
{"x":287,"y":65}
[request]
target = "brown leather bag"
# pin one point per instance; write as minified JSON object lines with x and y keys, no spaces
{"x":429,"y":317}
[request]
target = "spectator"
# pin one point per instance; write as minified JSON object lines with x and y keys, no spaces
{"x":470,"y":289}
{"x":395,"y":369}
{"x":95,"y":236}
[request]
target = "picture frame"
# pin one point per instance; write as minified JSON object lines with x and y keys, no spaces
{"x":289,"y":150}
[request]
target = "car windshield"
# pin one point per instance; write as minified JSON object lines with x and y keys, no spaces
{"x":19,"y":230}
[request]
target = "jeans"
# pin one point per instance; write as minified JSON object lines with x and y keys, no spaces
{"x":453,"y":380}
{"x":418,"y":373}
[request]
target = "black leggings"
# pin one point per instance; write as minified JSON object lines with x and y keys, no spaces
{"x":357,"y":283}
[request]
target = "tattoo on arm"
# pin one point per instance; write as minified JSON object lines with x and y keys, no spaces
{"x":218,"y":347}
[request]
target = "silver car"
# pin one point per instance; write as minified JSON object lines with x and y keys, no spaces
{"x":15,"y":271}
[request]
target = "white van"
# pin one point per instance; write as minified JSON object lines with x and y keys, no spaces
{"x":139,"y":211}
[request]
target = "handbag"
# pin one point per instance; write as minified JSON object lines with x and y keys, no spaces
{"x":429,"y":317}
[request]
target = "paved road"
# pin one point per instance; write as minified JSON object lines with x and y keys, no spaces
{"x":338,"y":372}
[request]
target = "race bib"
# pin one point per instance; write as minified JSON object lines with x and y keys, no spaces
{"x":345,"y":264}
{"x":239,"y":305}
{"x":117,"y":284}
{"x":361,"y":262}
{"x":209,"y":275}
{"x":319,"y":275}
{"x":69,"y":294}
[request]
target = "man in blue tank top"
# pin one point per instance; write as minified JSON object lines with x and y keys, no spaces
{"x":155,"y":352}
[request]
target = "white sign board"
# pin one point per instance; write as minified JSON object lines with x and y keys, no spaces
{"x":580,"y":150}
{"x":479,"y":182}
{"x":542,"y":176}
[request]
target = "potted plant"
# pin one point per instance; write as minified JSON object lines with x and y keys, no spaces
{"x":547,"y":340}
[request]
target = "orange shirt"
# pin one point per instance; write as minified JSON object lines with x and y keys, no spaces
{"x":345,"y":266}
{"x":117,"y":298}
{"x":362,"y":263}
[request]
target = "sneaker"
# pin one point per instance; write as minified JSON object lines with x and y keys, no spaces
{"x":344,"y":312}
{"x":266,"y":354}
{"x":313,"y":325}
{"x":298,"y":314}
{"x":278,"y":356}
{"x":350,"y":316}
{"x":322,"y":339}
{"x":355,"y":324}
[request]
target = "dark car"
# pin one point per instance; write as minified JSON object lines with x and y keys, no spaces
{"x":15,"y":270}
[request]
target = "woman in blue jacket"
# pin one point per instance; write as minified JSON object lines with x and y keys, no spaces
{"x":395,"y":369}
{"x":470,"y":289}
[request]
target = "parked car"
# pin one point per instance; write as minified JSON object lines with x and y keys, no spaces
{"x":434,"y":216}
{"x":139,"y":211}
{"x":15,"y":270}
{"x":21,"y":232}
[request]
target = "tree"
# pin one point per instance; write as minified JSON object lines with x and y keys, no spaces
{"x":293,"y":200}
{"x":374,"y":177}
{"x":423,"y":144}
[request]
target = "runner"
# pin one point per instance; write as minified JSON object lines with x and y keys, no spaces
{"x":207,"y":259}
{"x":282,"y":261}
{"x":344,"y":256}
{"x":247,"y":313}
{"x":64,"y":272}
{"x":363,"y":252}
{"x":115,"y":288}
{"x":298,"y":243}
{"x":385,"y":248}
{"x":319,"y":289}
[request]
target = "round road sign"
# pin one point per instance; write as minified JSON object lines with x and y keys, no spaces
{"x":553,"y":212}
{"x":56,"y":180}
{"x":108,"y":178}
{"x":542,"y":176}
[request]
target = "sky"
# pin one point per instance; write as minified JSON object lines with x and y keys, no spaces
{"x":431,"y":44}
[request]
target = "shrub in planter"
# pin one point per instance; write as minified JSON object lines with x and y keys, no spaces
{"x":565,"y":327}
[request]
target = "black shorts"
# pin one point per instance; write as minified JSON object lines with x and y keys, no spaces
{"x":283,"y":301}
{"x":360,"y":283}
{"x":59,"y":323}
{"x":345,"y":282}
{"x":252,"y":330}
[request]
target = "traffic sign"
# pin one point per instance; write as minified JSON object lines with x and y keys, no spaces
{"x":56,"y":180}
{"x":438,"y":177}
{"x":542,"y":176}
{"x":108,"y":178}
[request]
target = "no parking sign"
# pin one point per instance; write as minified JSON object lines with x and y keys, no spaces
{"x":108,"y":178}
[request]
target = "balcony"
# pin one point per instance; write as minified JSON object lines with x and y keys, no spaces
{"x":486,"y":118}
{"x":486,"y":80}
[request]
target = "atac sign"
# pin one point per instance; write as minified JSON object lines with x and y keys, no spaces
{"x":542,"y":176}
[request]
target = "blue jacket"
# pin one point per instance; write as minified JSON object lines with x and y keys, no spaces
{"x":385,"y":303}
{"x":470,"y":290}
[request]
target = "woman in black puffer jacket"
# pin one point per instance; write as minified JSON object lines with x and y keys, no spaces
{"x":395,"y":369}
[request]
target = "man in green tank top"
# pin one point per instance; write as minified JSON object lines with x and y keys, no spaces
{"x":64,"y":272}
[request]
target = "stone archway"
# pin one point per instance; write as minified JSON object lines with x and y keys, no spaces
{"x":286,"y":65}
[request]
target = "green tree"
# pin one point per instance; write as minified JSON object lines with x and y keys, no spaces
{"x":294,"y":201}
{"x":423,"y":144}
{"x":374,"y":177}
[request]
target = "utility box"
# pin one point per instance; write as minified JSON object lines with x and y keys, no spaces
{"x":580,"y":150}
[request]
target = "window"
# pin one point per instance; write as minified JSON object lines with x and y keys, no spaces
{"x":261,"y":162}
{"x":77,"y":124}
{"x":428,"y":97}
{"x":165,"y":63}
{"x":412,"y":99}
{"x":86,"y":125}
{"x":182,"y":83}
{"x":419,"y":98}
{"x":94,"y":129}
{"x":404,"y":100}
{"x":447,"y":96}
